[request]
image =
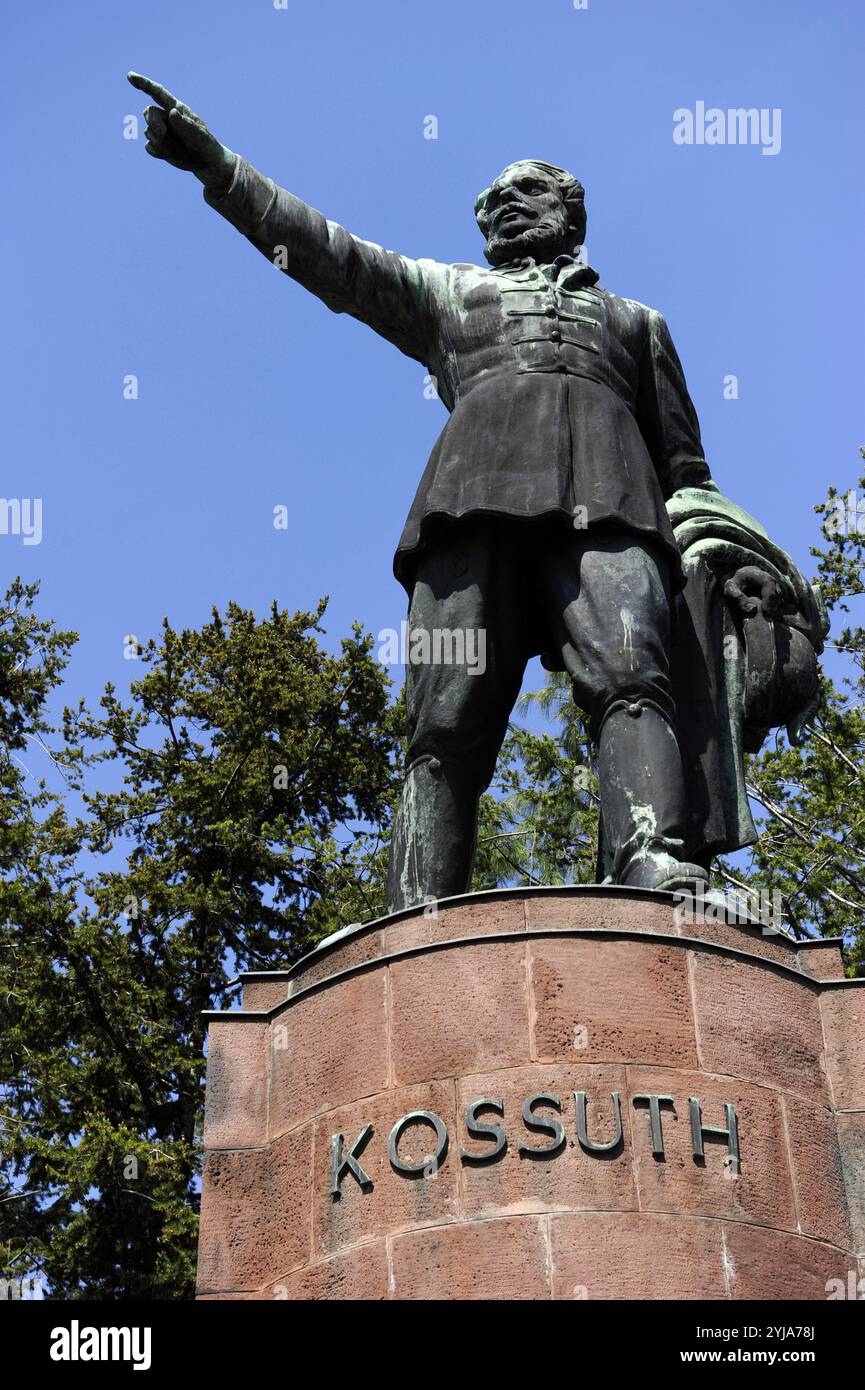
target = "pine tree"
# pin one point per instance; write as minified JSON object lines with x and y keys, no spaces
{"x":253,"y":765}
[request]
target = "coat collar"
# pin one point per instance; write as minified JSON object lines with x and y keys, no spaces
{"x":565,"y":271}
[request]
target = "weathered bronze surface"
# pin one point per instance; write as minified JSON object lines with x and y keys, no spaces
{"x":566,"y":510}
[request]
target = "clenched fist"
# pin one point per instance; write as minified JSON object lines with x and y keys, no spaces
{"x":177,"y":135}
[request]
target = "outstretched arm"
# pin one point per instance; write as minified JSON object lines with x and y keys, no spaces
{"x":391,"y":293}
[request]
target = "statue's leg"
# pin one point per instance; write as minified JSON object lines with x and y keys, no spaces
{"x":457,"y":709}
{"x":643,"y":796}
{"x":433,"y":844}
{"x":612,"y":616}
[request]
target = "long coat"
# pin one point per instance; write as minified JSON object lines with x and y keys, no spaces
{"x":562,"y":396}
{"x":565,"y":399}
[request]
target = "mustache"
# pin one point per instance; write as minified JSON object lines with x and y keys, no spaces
{"x":543,"y":227}
{"x":512,"y":209}
{"x":541,"y":236}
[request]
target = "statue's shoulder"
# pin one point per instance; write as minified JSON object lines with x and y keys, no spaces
{"x":437,"y":267}
{"x":628,"y":305}
{"x":466,"y":270}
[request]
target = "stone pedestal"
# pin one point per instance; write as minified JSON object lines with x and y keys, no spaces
{"x":609,"y":1034}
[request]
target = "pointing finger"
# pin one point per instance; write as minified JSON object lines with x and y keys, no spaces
{"x":155,"y":90}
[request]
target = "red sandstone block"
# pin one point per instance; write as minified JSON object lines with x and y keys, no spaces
{"x":636,"y":1256}
{"x":569,"y":1177}
{"x":851,"y":1142}
{"x":263,"y":994}
{"x":755,"y":1022}
{"x":822,"y":960}
{"x":225,"y":1297}
{"x":235,"y":1112}
{"x":678,"y":1183}
{"x":358,"y":1275}
{"x":612,"y":913}
{"x":357,"y":949}
{"x":844,"y":1025}
{"x":473,"y":1260}
{"x":739,"y":937}
{"x":562,"y":912}
{"x":395,"y":1201}
{"x":327,"y":1049}
{"x":451,"y":923}
{"x":767,"y":1264}
{"x":459,"y":1010}
{"x":255,"y":1213}
{"x":821,"y":1198}
{"x":599,"y":1001}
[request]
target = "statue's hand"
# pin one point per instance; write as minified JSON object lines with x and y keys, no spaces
{"x":177,"y":135}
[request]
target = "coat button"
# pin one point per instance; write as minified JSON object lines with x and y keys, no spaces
{"x":555,"y":336}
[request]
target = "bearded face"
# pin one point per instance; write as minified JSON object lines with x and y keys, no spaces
{"x":526,"y":216}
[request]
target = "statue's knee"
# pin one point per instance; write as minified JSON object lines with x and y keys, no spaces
{"x":632,"y":705}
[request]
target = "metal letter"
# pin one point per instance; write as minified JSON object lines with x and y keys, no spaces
{"x":654,"y":1104}
{"x":554,"y":1127}
{"x":349,"y":1162}
{"x":478,"y":1130}
{"x":731,"y":1133}
{"x":582,"y":1127}
{"x":431,"y":1160}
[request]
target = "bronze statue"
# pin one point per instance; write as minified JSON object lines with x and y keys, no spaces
{"x":566,"y":510}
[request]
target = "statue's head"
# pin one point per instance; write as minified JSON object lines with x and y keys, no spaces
{"x":532,"y":209}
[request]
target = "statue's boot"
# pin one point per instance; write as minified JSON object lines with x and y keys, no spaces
{"x":433,"y":842}
{"x":643,"y":799}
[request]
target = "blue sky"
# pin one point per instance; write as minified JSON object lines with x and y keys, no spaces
{"x":252,"y":394}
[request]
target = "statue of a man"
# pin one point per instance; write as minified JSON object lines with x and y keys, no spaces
{"x":541,"y":519}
